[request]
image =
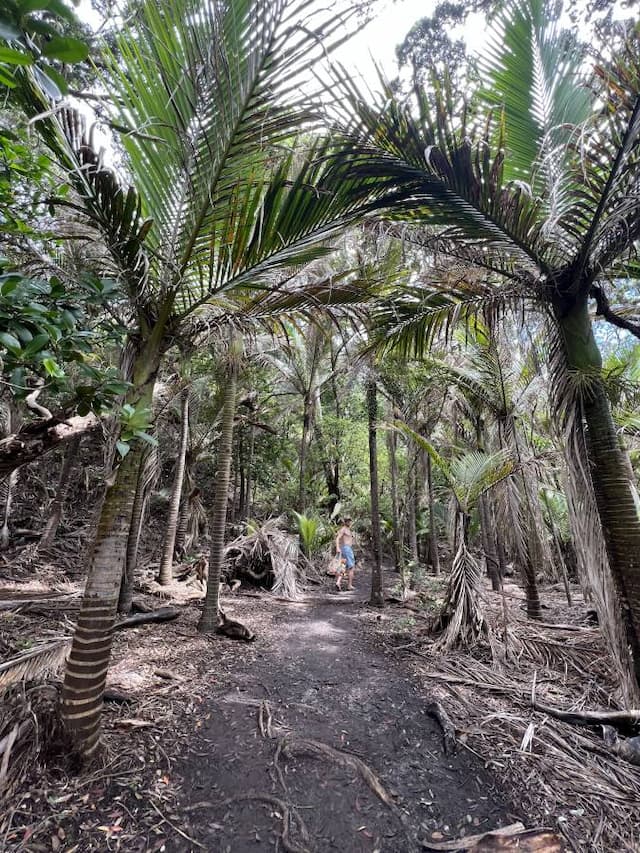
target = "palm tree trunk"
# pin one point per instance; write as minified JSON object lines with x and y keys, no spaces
{"x":183,"y":519}
{"x":377,"y":586}
{"x":147,"y":475}
{"x":166,"y":563}
{"x":304,"y":446}
{"x":614,"y":496}
{"x":410,"y":512}
{"x":209,"y":619}
{"x":88,"y":662}
{"x":55,"y":513}
{"x":488,"y":543}
{"x":392,"y":445}
{"x":246,"y":510}
{"x":434,"y":557}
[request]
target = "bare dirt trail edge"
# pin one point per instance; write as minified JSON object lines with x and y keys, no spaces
{"x":280,"y":759}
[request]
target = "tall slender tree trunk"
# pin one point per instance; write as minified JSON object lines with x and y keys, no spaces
{"x":8,"y":481}
{"x":183,"y":519}
{"x":304,"y":446}
{"x":410,"y":512}
{"x":246,"y":509}
{"x":55,"y":511}
{"x":166,"y":562}
{"x":488,"y":543}
{"x":88,"y":662}
{"x":392,"y":445}
{"x":377,"y":585}
{"x":613,"y":493}
{"x":148,"y":461}
{"x":209,"y":619}
{"x":434,"y":557}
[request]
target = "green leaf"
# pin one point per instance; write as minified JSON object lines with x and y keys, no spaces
{"x":15,"y":57}
{"x":146,"y":437}
{"x":53,"y":368}
{"x":34,"y":346}
{"x":123,"y":448}
{"x":66,"y":49}
{"x":9,"y":283}
{"x":10,"y":342}
{"x":49,"y":86}
{"x":57,"y":80}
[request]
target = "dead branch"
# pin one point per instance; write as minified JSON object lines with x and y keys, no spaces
{"x":618,"y":719}
{"x":162,"y":614}
{"x":39,"y":438}
{"x":435,"y":710}
{"x":514,"y":837}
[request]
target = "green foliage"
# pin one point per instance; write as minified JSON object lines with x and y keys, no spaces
{"x":45,"y":334}
{"x":135,"y":424}
{"x":38,"y":36}
{"x":312,"y":533}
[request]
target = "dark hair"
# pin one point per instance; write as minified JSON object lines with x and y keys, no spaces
{"x":347,"y":519}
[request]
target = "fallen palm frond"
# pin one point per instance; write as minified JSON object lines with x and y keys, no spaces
{"x":507,"y":711}
{"x":461,"y":616}
{"x":266,"y":555}
{"x":34,"y":664}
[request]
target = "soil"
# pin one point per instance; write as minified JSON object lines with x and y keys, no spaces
{"x":320,"y":678}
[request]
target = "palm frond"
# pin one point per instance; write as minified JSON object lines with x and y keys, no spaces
{"x":533,"y":70}
{"x":215,"y":87}
{"x":34,"y":664}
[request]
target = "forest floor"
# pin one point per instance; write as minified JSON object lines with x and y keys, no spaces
{"x":316,"y":736}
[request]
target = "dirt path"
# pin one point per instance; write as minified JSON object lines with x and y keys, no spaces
{"x":322,"y":680}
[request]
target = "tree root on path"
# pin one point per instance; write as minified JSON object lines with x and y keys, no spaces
{"x":287,"y":814}
{"x":435,"y":710}
{"x":305,"y":746}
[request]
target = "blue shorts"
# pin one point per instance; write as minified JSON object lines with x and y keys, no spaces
{"x":347,"y":555}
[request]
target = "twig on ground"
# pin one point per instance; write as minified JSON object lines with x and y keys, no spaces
{"x":176,"y":828}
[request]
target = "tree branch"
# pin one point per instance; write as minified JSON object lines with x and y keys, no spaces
{"x":603,"y":309}
{"x":40,"y":437}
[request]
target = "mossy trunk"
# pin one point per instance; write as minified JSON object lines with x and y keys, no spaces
{"x":434,"y":557}
{"x":613,"y":492}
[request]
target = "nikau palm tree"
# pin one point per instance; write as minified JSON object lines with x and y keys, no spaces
{"x":538,"y":188}
{"x":207,"y":92}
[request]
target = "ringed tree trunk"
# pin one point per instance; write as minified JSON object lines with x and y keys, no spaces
{"x":55,"y":512}
{"x":377,"y":588}
{"x":88,"y":661}
{"x":613,"y":492}
{"x":166,"y":562}
{"x":209,"y":619}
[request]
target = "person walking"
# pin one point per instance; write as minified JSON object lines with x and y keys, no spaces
{"x":344,"y":547}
